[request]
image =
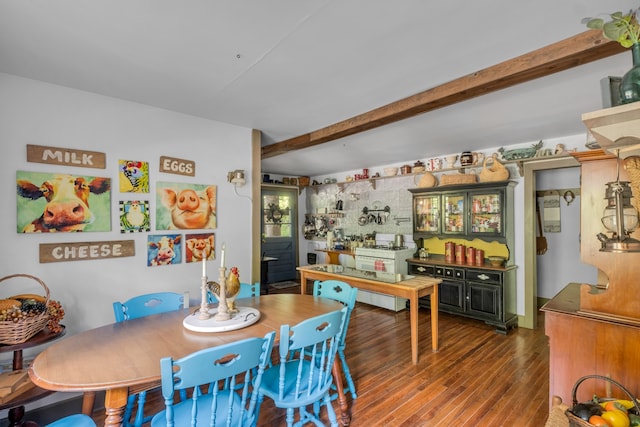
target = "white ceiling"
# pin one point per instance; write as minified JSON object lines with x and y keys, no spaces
{"x":289,"y":67}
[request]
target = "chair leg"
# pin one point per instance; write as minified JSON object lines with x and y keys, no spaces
{"x":351,"y":387}
{"x":126,"y":417}
{"x":330,"y":412}
{"x":290,"y":417}
{"x":142,"y":397}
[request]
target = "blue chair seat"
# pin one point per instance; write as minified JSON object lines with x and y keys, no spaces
{"x":78,"y":420}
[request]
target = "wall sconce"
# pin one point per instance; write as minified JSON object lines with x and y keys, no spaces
{"x":620,"y":218}
{"x":236,"y":178}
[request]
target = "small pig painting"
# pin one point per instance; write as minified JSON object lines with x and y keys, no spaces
{"x":185,"y":206}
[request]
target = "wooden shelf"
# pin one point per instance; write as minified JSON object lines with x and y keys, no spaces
{"x":616,"y":128}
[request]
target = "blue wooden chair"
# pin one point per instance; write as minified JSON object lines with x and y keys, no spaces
{"x":247,"y":290}
{"x":224,"y":367}
{"x":346,"y":294}
{"x":78,"y":420}
{"x":140,"y":306}
{"x":303,"y":376}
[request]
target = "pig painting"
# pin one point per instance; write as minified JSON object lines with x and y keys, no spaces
{"x":199,"y":246}
{"x":62,"y":203}
{"x":164,"y":250}
{"x":185,"y":206}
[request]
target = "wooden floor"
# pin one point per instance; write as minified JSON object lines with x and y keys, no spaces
{"x":478,"y":378}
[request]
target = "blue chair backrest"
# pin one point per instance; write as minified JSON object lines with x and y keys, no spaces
{"x":225,"y":367}
{"x":247,"y":290}
{"x":148,"y":304}
{"x":318,"y":338}
{"x":337,"y":291}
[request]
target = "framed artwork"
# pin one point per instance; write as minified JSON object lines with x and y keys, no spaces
{"x":185,"y":206}
{"x":164,"y":249}
{"x":72,"y":203}
{"x":134,"y":176}
{"x":199,"y":246}
{"x":134,"y":216}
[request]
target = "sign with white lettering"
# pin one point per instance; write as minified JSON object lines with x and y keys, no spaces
{"x":66,"y":156}
{"x":177,"y":166}
{"x":80,"y":251}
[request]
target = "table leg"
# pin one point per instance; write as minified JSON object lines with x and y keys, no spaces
{"x":413,"y":320}
{"x":88,"y":400}
{"x":115,"y":401}
{"x":303,"y":283}
{"x":344,"y":416}
{"x":434,"y":319}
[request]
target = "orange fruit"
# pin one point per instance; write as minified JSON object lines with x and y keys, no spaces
{"x":597,"y":420}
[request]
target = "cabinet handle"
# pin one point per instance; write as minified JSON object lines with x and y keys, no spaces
{"x":483,"y":277}
{"x":421,"y":269}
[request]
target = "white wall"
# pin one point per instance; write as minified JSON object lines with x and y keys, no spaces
{"x":561,"y":263}
{"x":33,"y":112}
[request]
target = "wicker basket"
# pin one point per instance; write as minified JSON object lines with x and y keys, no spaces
{"x":18,"y":332}
{"x":575,"y":421}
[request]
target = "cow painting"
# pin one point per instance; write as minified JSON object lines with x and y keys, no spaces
{"x":61,"y":203}
{"x":199,"y":246}
{"x":164,"y":250}
{"x":185,"y":206}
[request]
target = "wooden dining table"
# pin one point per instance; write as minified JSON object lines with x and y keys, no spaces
{"x":124,"y":358}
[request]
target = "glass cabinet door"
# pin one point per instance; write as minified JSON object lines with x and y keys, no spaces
{"x":426,"y":211}
{"x":486,"y":213}
{"x":454,"y":213}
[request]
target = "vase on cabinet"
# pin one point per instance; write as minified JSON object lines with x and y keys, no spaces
{"x":630,"y":84}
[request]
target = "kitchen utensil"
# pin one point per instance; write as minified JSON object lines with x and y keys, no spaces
{"x":405,"y":170}
{"x":541,"y":241}
{"x":398,"y":240}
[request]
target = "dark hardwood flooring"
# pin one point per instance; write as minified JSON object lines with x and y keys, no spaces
{"x":478,"y":378}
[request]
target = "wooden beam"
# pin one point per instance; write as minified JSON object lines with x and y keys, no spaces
{"x":581,"y":49}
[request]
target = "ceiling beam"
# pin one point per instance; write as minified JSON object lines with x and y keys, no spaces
{"x":577,"y":50}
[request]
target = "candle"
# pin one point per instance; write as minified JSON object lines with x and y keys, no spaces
{"x":204,"y":267}
{"x":222,"y":257}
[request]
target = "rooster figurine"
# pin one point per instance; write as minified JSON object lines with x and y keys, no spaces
{"x":233,"y":287}
{"x":231,"y":290}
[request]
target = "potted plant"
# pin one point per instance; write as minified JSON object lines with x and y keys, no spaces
{"x":625,"y":29}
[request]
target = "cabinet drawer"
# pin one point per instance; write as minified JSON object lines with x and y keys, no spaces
{"x":421,"y":270}
{"x":484,"y":276}
{"x":439,"y":271}
{"x":454,"y":273}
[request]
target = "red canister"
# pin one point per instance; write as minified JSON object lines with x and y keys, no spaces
{"x":471,"y":255}
{"x":449,"y":251}
{"x":461,"y":252}
{"x":479,"y":257}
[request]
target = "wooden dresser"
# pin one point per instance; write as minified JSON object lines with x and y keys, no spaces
{"x":596,"y":329}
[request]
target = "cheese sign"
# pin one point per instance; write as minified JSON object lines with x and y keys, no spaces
{"x":81,"y":251}
{"x":177,"y":166}
{"x":66,"y":157}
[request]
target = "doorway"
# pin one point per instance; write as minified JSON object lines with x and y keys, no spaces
{"x":279,"y":227}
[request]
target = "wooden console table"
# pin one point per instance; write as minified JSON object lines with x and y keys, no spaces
{"x":33,"y":393}
{"x":411,"y":288}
